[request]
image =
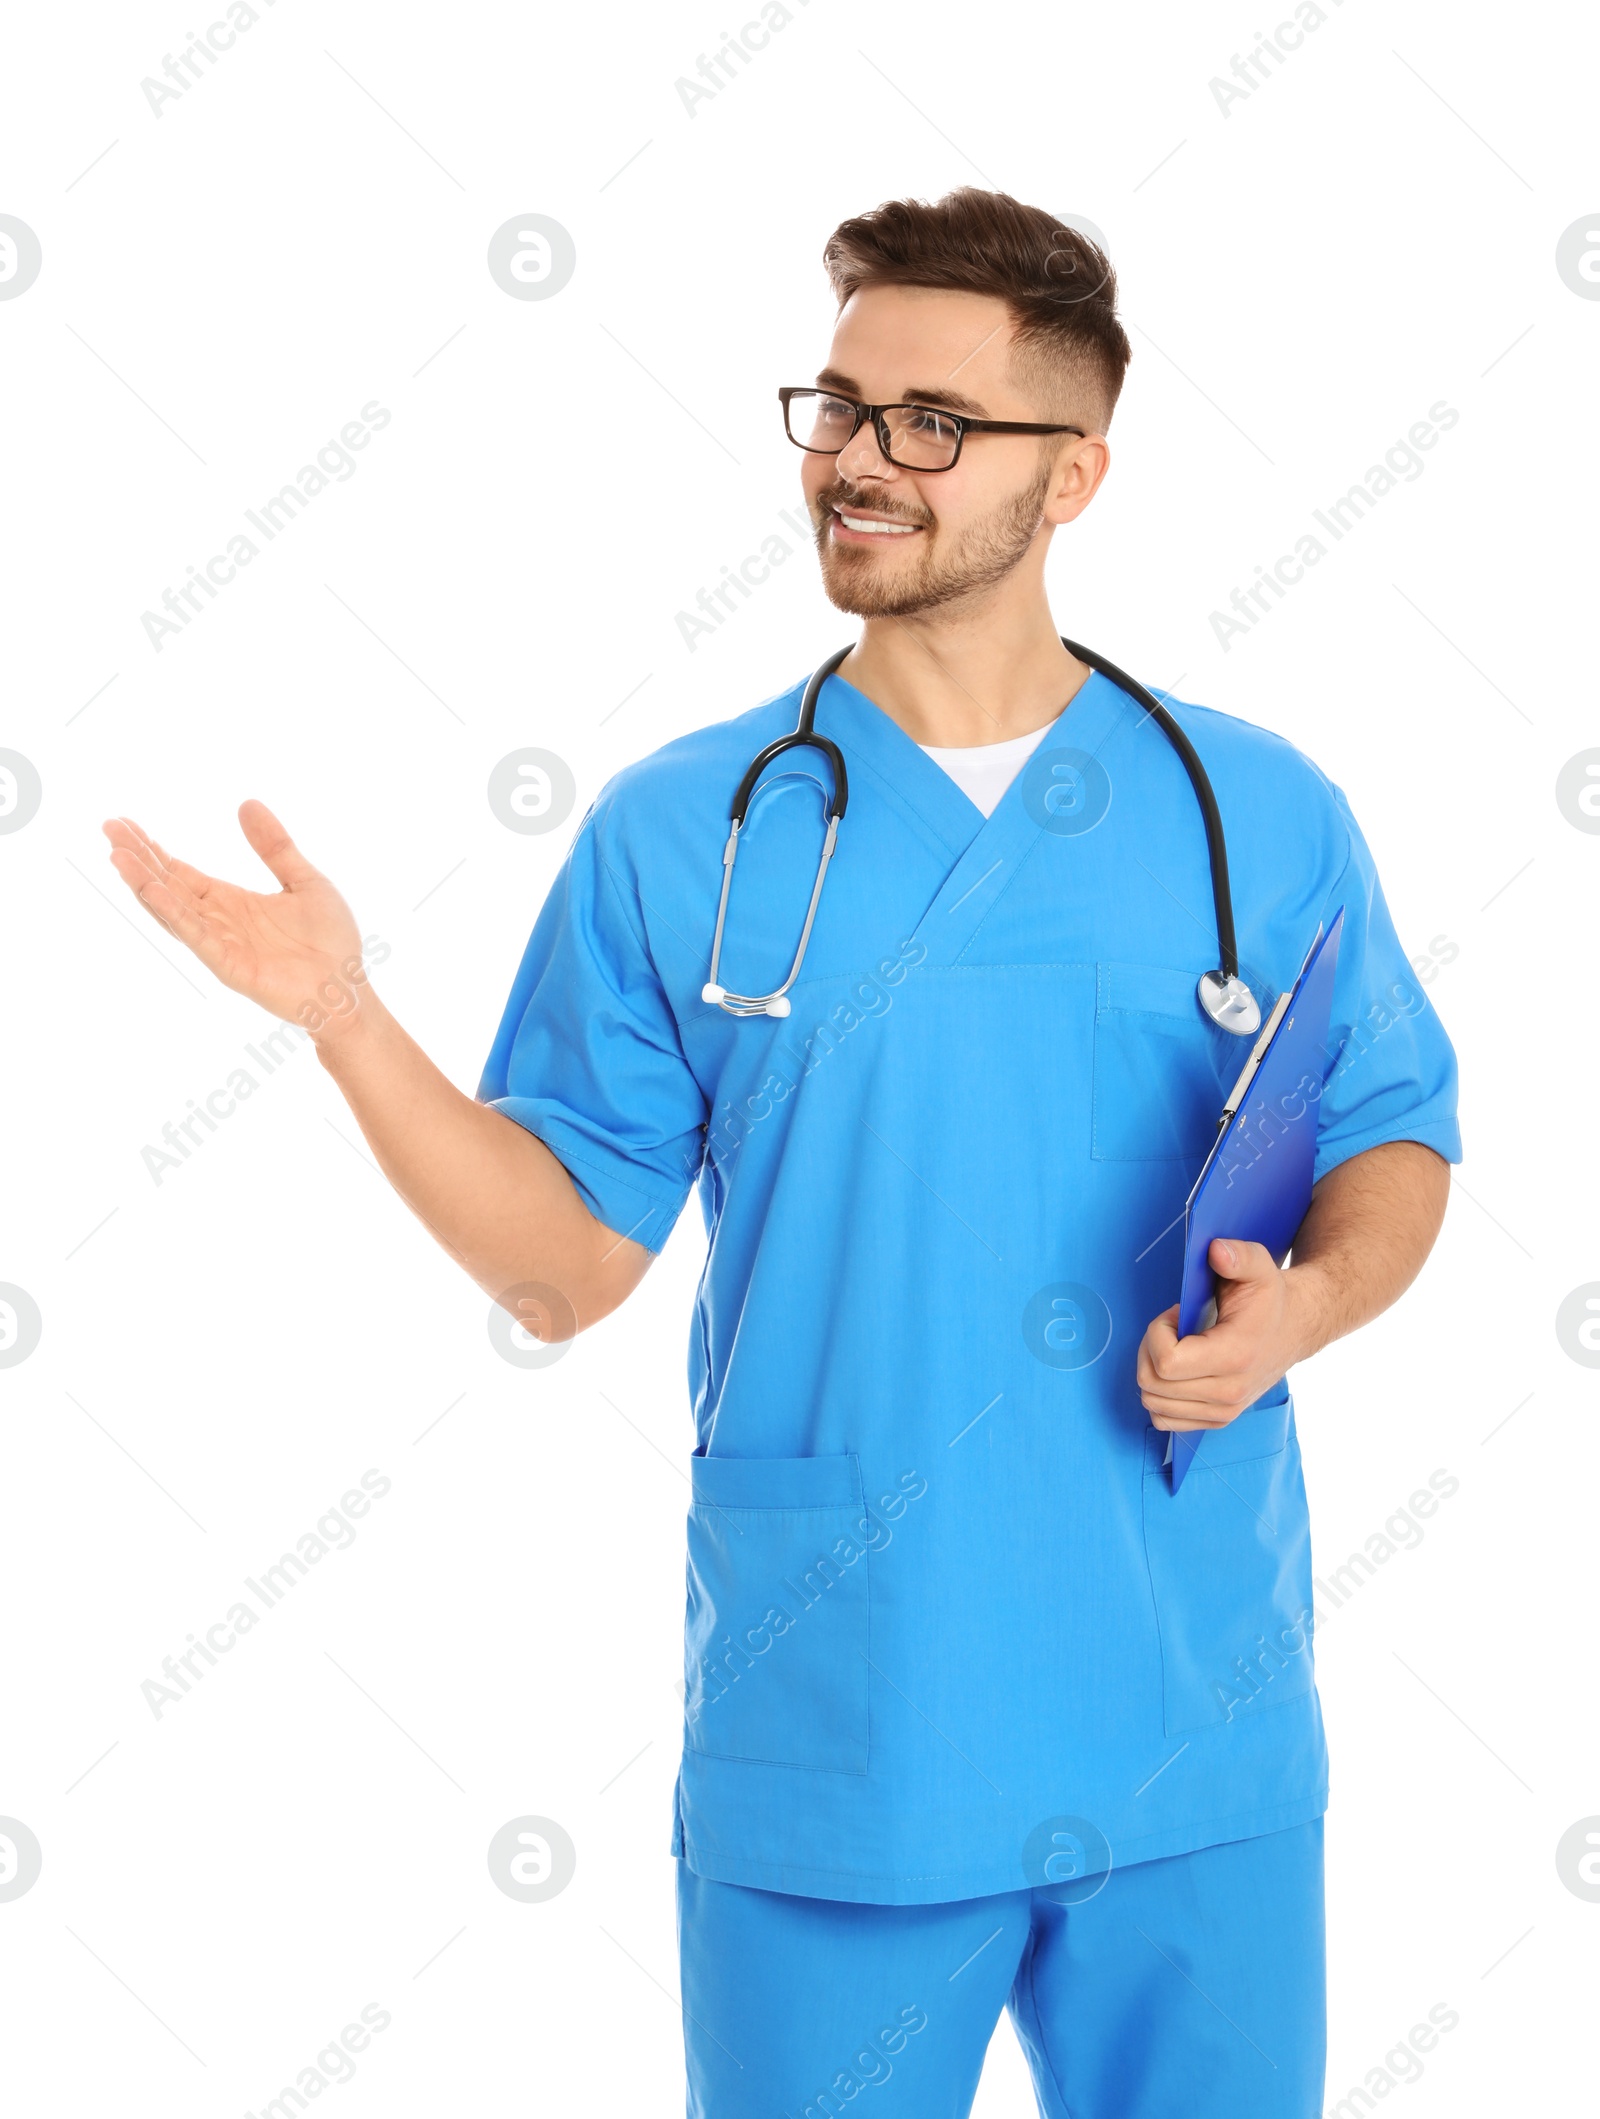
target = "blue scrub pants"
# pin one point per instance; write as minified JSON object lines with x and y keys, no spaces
{"x":1190,"y":1988}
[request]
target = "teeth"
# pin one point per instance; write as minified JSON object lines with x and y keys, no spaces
{"x":876,"y":529}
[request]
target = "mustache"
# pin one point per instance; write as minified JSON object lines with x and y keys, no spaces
{"x":841,"y":494}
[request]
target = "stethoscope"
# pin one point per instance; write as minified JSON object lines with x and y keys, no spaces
{"x":1223,"y":994}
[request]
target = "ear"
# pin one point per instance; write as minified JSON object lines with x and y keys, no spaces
{"x":1080,"y":468}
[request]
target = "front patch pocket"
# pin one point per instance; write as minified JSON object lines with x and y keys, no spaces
{"x":1161,"y":1070}
{"x":775,"y":1637}
{"x":1230,"y":1567}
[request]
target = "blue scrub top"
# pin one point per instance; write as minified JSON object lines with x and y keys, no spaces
{"x":949,"y":1631}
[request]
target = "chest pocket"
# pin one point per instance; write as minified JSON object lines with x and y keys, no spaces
{"x":1161,"y":1069}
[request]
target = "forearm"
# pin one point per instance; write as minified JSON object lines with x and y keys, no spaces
{"x":485,"y":1187}
{"x":1371,"y":1224}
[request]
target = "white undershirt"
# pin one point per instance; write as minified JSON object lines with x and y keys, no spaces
{"x":984,"y":771}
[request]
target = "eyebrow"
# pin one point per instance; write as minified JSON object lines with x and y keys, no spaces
{"x":939,"y":400}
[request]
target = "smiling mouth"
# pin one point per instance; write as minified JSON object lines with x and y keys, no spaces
{"x":871,"y":526}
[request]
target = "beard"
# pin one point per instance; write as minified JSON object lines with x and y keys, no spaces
{"x":946,"y":573}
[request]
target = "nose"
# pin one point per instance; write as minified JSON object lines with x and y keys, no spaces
{"x":862,"y":458}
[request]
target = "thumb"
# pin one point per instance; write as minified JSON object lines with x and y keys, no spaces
{"x":1232,"y":1259}
{"x":275,"y":847}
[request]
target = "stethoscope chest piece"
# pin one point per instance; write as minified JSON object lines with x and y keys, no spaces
{"x":1229,"y":1003}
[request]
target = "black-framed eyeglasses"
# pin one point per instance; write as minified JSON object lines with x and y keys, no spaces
{"x":916,"y":437}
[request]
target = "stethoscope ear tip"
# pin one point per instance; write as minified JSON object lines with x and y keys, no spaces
{"x":716,"y":996}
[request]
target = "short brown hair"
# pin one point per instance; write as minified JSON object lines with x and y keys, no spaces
{"x":1057,"y":283}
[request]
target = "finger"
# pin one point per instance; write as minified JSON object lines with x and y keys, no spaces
{"x":1177,"y":1424}
{"x":136,"y":875}
{"x":1156,"y":1347}
{"x":1232,"y":1346}
{"x":190,"y":927}
{"x":1180,"y":1415}
{"x":1162,"y":1331}
{"x":165,"y":906}
{"x":199,"y":885}
{"x":130,"y":856}
{"x":275,"y":847}
{"x":192,"y":884}
{"x":1205,"y":1361}
{"x":195,"y":880}
{"x":136,"y":884}
{"x":123,"y":831}
{"x":1198,"y":1403}
{"x":1201,"y":1399}
{"x":1234,"y":1259}
{"x":1199,"y":1391}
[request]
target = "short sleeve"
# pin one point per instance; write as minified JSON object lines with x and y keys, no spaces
{"x":1393,"y":1075}
{"x":587,"y":1055}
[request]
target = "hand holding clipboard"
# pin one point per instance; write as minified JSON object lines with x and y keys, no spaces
{"x":1255,"y":1184}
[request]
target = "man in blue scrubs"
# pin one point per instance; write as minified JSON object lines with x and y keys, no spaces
{"x":979,"y":1712}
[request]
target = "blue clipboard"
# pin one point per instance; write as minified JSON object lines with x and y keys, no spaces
{"x":1256,"y":1182}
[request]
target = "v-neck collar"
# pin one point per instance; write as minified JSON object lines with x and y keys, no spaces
{"x":874,"y":740}
{"x":984,"y":855}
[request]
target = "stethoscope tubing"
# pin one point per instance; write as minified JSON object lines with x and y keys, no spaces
{"x":1204,"y":794}
{"x":804,"y":735}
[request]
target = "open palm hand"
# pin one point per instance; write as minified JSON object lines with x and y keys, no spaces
{"x":295,"y":951}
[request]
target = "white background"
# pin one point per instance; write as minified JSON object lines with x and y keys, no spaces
{"x":224,"y":1353}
